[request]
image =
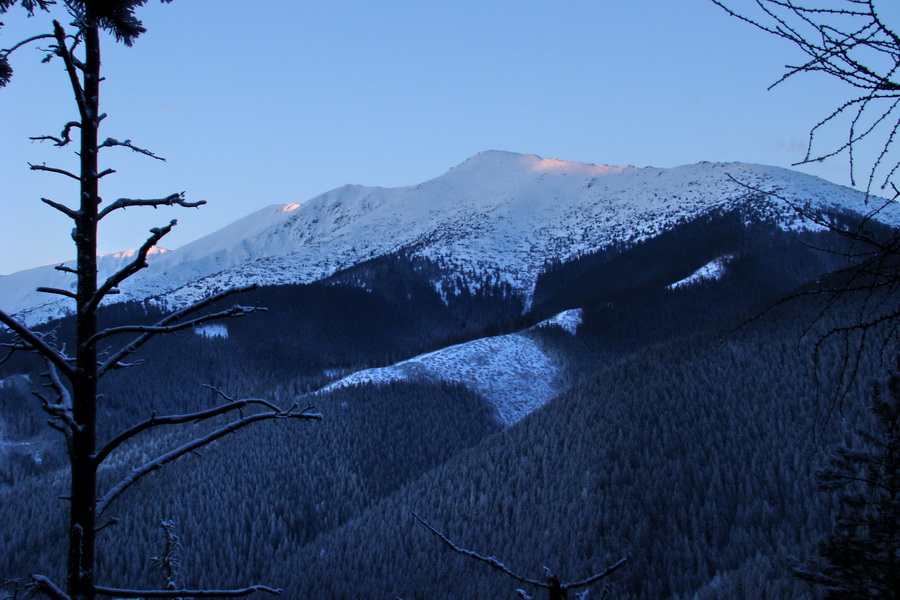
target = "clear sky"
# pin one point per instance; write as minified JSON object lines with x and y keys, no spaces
{"x":277,"y":101}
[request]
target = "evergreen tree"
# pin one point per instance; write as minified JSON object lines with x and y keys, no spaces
{"x":861,"y":557}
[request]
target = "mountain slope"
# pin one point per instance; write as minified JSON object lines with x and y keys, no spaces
{"x":497,"y":212}
{"x":512,"y":372}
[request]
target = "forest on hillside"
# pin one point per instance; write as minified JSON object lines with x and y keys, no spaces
{"x":687,"y":439}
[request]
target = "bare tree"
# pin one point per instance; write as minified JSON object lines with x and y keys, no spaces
{"x":70,"y":395}
{"x":556,"y":590}
{"x":849,"y":41}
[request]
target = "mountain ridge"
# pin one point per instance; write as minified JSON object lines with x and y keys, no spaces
{"x":496,"y":212}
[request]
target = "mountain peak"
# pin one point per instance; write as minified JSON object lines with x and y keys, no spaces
{"x":492,"y":164}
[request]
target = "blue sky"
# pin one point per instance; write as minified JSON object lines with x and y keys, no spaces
{"x":276,"y":101}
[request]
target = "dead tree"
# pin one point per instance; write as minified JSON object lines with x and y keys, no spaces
{"x":556,"y":590}
{"x":73,"y":374}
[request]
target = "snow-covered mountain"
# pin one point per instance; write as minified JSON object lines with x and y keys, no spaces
{"x":498,"y":212}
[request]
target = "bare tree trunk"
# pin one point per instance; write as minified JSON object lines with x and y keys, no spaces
{"x":73,"y":375}
{"x":84,"y":439}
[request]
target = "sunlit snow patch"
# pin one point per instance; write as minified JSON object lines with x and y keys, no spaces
{"x":511,"y":371}
{"x":568,"y":320}
{"x":18,"y":379}
{"x":712,"y":270}
{"x":212,"y":331}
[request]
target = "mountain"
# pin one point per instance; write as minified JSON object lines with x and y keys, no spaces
{"x":498,"y":212}
{"x":554,"y":364}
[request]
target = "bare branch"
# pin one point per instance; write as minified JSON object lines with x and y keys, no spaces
{"x":159,"y":462}
{"x":139,"y":262}
{"x":117,"y":357}
{"x":63,"y":52}
{"x":170,"y":200}
{"x":236,"y":593}
{"x":53,"y":170}
{"x":35,"y":341}
{"x":851,"y":43}
{"x":34,"y":38}
{"x":57,"y":291}
{"x":66,"y":269}
{"x":195,"y":417}
{"x":72,"y":214}
{"x":110,"y":143}
{"x":65,"y":137}
{"x":12,"y":350}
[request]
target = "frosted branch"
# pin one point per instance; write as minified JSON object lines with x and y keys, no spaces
{"x":139,"y":262}
{"x":36,"y":342}
{"x":72,"y":214}
{"x":552,"y":581}
{"x":170,"y":200}
{"x":236,"y":593}
{"x":489,"y":560}
{"x":161,"y":461}
{"x":110,"y":143}
{"x":43,"y":585}
{"x":195,"y":417}
{"x":113,"y":361}
{"x":234,"y":312}
{"x":595,"y":578}
{"x":62,"y":393}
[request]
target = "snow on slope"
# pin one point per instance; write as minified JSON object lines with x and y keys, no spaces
{"x":18,"y":295}
{"x":510,"y":371}
{"x":714,"y":269}
{"x":498,"y":211}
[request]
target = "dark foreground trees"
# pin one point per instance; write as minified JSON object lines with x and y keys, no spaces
{"x":857,"y":43}
{"x":75,"y":368}
{"x":861,"y":557}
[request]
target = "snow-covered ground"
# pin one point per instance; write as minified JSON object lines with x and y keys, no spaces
{"x":212,"y":331}
{"x":713,"y":270}
{"x":511,"y":371}
{"x":497,"y":212}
